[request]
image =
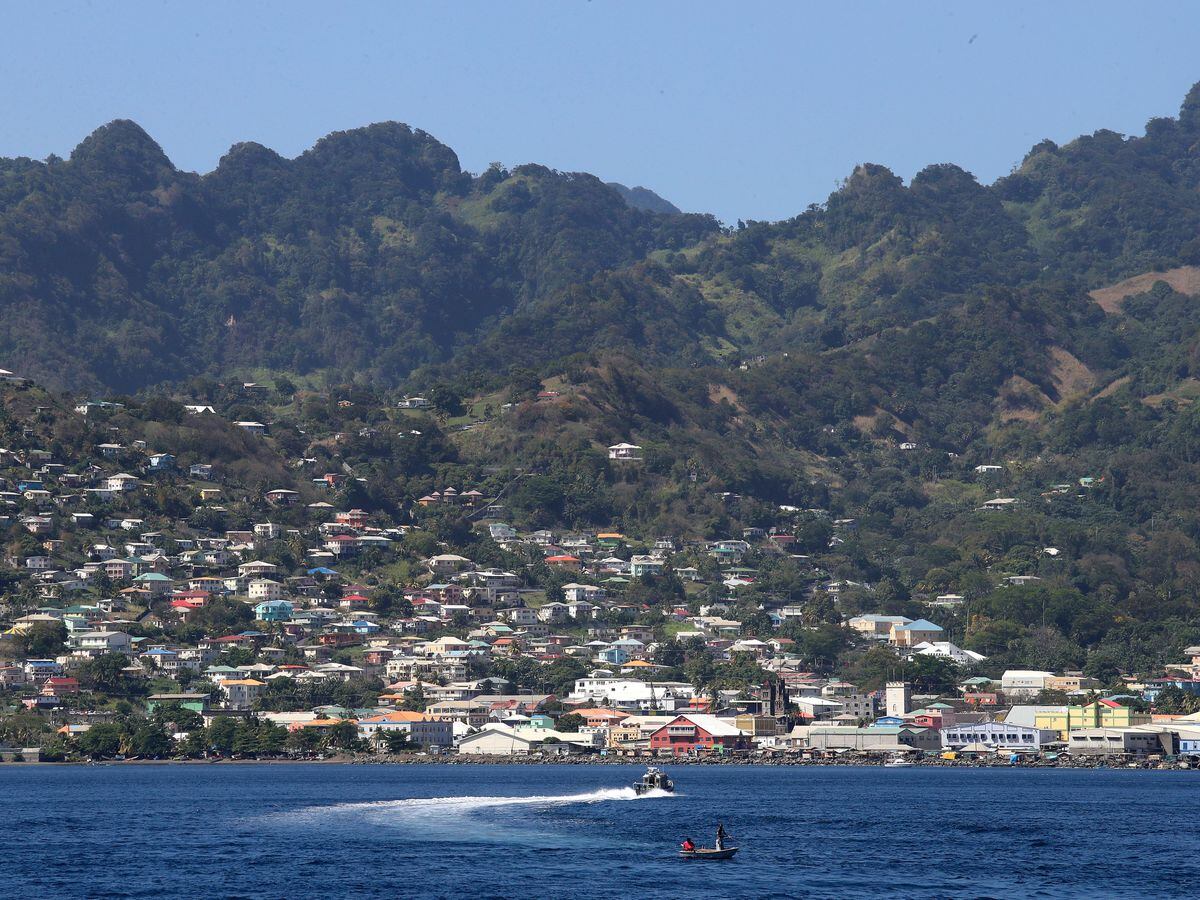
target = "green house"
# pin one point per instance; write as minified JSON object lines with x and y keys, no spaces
{"x":610,"y":540}
{"x":194,"y":702}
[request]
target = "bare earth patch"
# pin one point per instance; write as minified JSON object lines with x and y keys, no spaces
{"x":1071,"y":377}
{"x":1113,"y":387}
{"x":1185,"y":280}
{"x":1020,"y":399}
{"x":719,"y":392}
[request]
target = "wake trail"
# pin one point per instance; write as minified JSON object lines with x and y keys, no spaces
{"x":447,"y":808}
{"x":465,"y":805}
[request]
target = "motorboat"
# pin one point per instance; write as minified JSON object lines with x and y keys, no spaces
{"x":898,"y":762}
{"x":708,"y":853}
{"x":655,"y":779}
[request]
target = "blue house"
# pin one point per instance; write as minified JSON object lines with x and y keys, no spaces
{"x":273,"y":611}
{"x":616,"y":656}
{"x":161,"y":462}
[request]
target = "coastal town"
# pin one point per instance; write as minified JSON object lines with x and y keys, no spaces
{"x":181,"y":581}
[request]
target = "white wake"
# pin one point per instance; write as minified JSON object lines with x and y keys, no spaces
{"x":458,"y":806}
{"x":432,"y":809}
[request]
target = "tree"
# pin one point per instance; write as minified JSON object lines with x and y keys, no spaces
{"x":395,"y":741}
{"x":570,"y":722}
{"x":101,"y":740}
{"x":305,"y":740}
{"x":995,"y":637}
{"x":932,"y":674}
{"x":1173,"y":701}
{"x":221,"y":733}
{"x":343,"y":736}
{"x":106,"y":674}
{"x":221,"y":615}
{"x":414,"y":699}
{"x":150,"y":740}
{"x":875,"y":668}
{"x":54,"y":750}
{"x":446,"y":399}
{"x":43,"y":640}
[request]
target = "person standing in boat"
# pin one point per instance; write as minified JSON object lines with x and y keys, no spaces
{"x":720,"y":836}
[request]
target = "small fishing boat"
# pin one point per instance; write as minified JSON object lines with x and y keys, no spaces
{"x":655,"y":779}
{"x":708,"y":853}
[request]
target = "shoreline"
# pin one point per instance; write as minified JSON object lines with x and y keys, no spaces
{"x":782,"y":762}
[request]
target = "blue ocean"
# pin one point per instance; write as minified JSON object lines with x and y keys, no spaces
{"x":320,"y":831}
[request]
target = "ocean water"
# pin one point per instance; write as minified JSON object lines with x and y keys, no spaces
{"x":322,"y":831}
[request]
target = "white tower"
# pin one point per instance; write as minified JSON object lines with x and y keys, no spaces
{"x":897,"y":697}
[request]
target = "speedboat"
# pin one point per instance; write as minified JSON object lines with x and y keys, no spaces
{"x":708,"y":853}
{"x":655,"y":779}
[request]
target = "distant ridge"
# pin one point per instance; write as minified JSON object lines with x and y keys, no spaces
{"x":644,"y":199}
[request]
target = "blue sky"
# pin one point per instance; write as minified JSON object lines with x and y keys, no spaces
{"x":747,"y":110}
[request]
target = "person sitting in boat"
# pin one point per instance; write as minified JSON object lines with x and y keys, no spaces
{"x":720,"y":836}
{"x":688,"y":845}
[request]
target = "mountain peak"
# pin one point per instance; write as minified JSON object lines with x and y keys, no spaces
{"x":393,"y":151}
{"x":123,"y":148}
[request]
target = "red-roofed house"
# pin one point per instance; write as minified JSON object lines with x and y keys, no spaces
{"x":564,"y":561}
{"x":697,"y":732}
{"x":354,"y":602}
{"x":58,"y":687}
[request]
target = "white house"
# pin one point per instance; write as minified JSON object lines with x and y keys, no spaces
{"x":121,"y":482}
{"x":997,"y":736}
{"x":630,"y":452}
{"x":256,"y":569}
{"x":1025,"y":682}
{"x":645,"y":565}
{"x":98,"y":643}
{"x":573,"y":593}
{"x":947,"y":650}
{"x":448,"y":563}
{"x":498,"y":739}
{"x":265,"y":589}
{"x":998,"y":503}
{"x":240,"y":693}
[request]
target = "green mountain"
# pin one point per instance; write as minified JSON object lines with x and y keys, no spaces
{"x":369,"y":254}
{"x":839,"y":375}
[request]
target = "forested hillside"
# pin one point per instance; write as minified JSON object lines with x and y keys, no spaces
{"x":369,"y":254}
{"x":859,"y":360}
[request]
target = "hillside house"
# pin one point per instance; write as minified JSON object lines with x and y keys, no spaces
{"x":121,"y":482}
{"x":625,"y":452}
{"x":910,"y":634}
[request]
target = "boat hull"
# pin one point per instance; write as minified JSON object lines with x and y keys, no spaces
{"x":705,"y":853}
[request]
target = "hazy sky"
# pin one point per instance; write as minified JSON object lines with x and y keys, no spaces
{"x":744,"y":109}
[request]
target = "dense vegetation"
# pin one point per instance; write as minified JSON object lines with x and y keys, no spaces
{"x":767,"y":365}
